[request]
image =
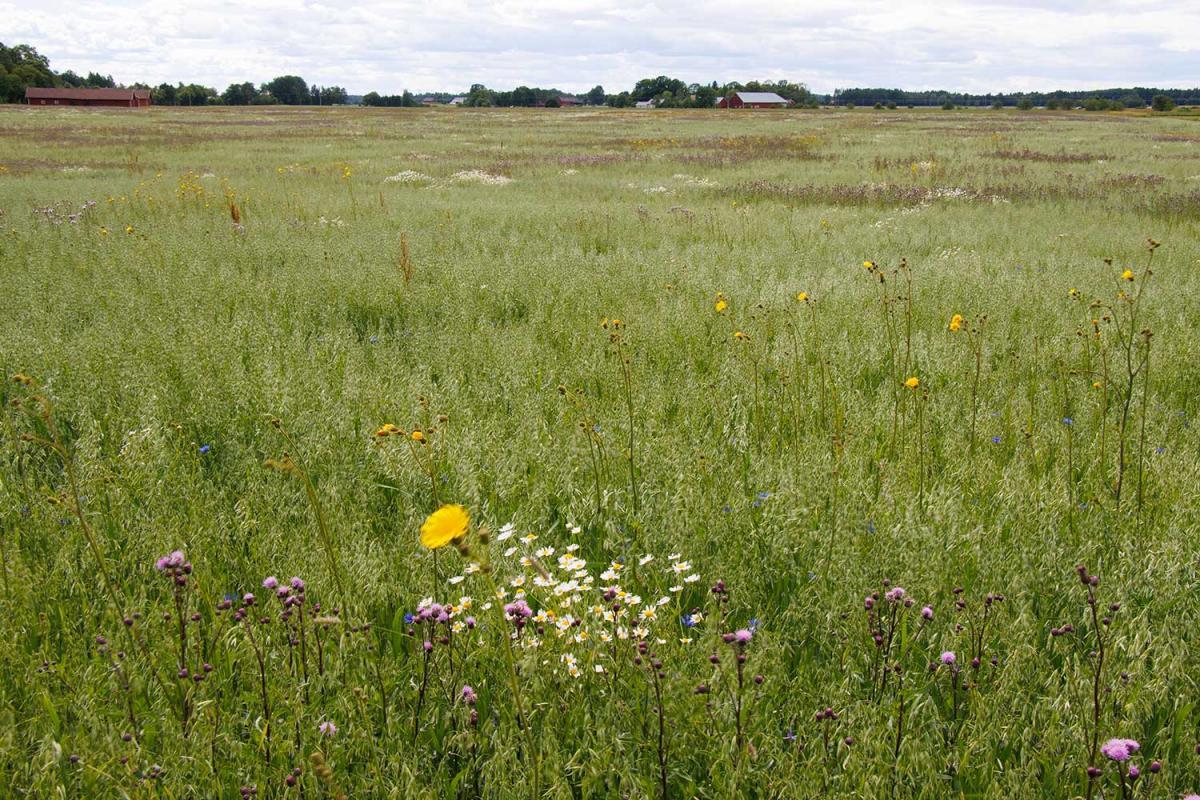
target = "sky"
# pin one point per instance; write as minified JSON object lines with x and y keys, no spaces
{"x":392,"y":45}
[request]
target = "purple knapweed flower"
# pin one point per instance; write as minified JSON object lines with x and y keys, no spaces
{"x":948,"y":658}
{"x":270,"y":582}
{"x":742,"y":636}
{"x":927,"y":612}
{"x":895,"y":595}
{"x":468,"y":695}
{"x":1119,"y":749}
{"x":327,"y":729}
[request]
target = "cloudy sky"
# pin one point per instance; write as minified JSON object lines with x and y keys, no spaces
{"x":390,"y":45}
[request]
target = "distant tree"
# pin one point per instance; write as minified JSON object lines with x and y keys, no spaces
{"x":239,"y":94}
{"x":656,"y":88}
{"x":1162,"y":102}
{"x":95,"y":80}
{"x":372,"y":99}
{"x":69,"y":78}
{"x":891,"y":105}
{"x":997,"y":104}
{"x":1024,"y":104}
{"x":163,"y":95}
{"x":948,"y":106}
{"x":704,"y":97}
{"x":553,"y":103}
{"x":21,"y":67}
{"x":480,"y":96}
{"x":620,"y":100}
{"x":595,"y":96}
{"x":290,"y":90}
{"x":195,"y":95}
{"x":1133,"y":100}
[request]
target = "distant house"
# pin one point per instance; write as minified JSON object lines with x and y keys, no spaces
{"x":429,"y":101}
{"x":757,"y":100}
{"x":722,"y":102}
{"x":458,"y":101}
{"x":105,"y":98}
{"x":644,"y":104}
{"x":565,"y":101}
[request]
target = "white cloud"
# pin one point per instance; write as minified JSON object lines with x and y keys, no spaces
{"x":389,"y":45}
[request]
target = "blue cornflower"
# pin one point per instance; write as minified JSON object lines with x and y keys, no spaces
{"x":995,"y":440}
{"x":753,"y":624}
{"x":688,"y":621}
{"x":1160,"y":450}
{"x":763,"y":495}
{"x":596,"y":427}
{"x":408,"y":618}
{"x":1068,"y":421}
{"x":870,"y":526}
{"x":726,"y":509}
{"x":374,"y":340}
{"x":789,"y":735}
{"x":757,"y":503}
{"x":204,"y":448}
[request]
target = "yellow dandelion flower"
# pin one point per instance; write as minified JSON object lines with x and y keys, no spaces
{"x":868,"y":265}
{"x":956,"y":322}
{"x":444,"y":526}
{"x":720,"y":306}
{"x":913,"y":382}
{"x":103,"y":231}
{"x":129,"y":229}
{"x":1096,"y":384}
{"x":741,"y":337}
{"x":418,"y":436}
{"x":1127,"y":275}
{"x":802,"y":297}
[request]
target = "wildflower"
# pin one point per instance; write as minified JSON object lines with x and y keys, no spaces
{"x":444,"y":526}
{"x":129,"y":229}
{"x":720,"y":306}
{"x":327,"y":729}
{"x":913,"y":382}
{"x":868,"y":265}
{"x":418,"y":437}
{"x":1127,"y":275}
{"x":801,"y":297}
{"x":204,"y":448}
{"x":742,"y":636}
{"x":948,"y":658}
{"x":927,"y":612}
{"x":895,"y":595}
{"x":1119,"y":749}
{"x":270,"y":582}
{"x":468,"y":695}
{"x":741,"y":337}
{"x":955,"y":323}
{"x":506,"y":531}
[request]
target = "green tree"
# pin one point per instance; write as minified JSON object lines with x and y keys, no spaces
{"x":595,"y":96}
{"x":290,"y":90}
{"x":21,"y":67}
{"x":239,"y":94}
{"x":1162,"y":103}
{"x":1024,"y":104}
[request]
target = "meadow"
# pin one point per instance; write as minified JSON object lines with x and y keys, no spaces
{"x":593,"y":453}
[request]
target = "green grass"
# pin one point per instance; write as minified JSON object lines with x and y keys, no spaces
{"x":171,"y":350}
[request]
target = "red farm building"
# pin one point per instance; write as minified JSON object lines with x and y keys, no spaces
{"x":101,"y":98}
{"x":754,"y":100}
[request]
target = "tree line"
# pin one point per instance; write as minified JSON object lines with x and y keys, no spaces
{"x":22,"y":67}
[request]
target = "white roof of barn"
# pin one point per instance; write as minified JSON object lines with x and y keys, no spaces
{"x":760,"y":97}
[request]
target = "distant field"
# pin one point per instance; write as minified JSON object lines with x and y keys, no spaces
{"x":724,"y":340}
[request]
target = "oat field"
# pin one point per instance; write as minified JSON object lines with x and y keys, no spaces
{"x":779,"y":455}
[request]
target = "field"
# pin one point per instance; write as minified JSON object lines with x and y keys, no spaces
{"x":754,"y":415}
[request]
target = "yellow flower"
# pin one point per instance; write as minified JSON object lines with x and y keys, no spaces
{"x":720,"y":306}
{"x":1096,"y":385}
{"x":129,"y":229}
{"x":1074,"y":292}
{"x":802,"y":297}
{"x":956,"y":322}
{"x":1127,"y":275}
{"x":387,"y":429}
{"x":444,"y":526}
{"x":913,"y":382}
{"x":741,"y":337}
{"x":417,"y":436}
{"x":869,"y":265}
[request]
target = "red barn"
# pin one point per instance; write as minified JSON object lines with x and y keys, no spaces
{"x":105,"y":98}
{"x":757,"y":100}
